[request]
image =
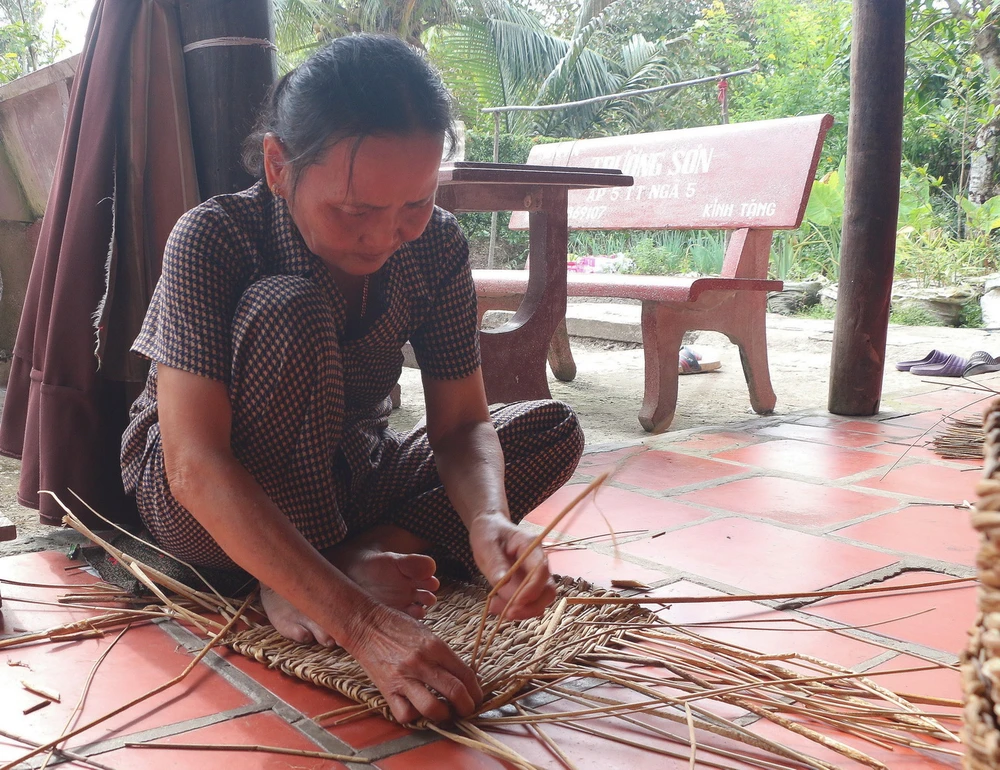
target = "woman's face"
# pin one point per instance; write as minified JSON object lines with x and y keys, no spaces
{"x":354,"y":220}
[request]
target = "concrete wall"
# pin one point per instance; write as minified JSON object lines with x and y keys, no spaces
{"x":33,"y":112}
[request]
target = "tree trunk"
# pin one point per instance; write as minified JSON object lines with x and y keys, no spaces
{"x":871,"y":206}
{"x":983,"y":156}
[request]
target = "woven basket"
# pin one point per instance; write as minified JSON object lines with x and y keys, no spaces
{"x":981,"y":660}
{"x":534,"y":646}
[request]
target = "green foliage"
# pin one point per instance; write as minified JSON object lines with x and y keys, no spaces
{"x":817,"y":311}
{"x":24,"y":45}
{"x":479,"y":148}
{"x":503,"y":52}
{"x":982,"y":218}
{"x":972,"y":315}
{"x":912,"y":315}
{"x":937,"y":258}
{"x":656,"y":252}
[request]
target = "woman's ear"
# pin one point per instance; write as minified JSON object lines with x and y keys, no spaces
{"x":276,"y":171}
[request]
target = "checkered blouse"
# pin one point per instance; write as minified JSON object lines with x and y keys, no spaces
{"x":424,"y":294}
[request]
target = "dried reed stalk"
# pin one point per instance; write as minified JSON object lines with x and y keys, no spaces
{"x":83,"y":694}
{"x":155,"y":691}
{"x":65,"y":753}
{"x":591,"y":487}
{"x":254,"y":747}
{"x":583,"y":638}
{"x":763,"y":597}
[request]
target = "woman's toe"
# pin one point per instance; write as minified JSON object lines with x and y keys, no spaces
{"x":416,"y":566}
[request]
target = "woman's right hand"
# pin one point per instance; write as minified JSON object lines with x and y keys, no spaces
{"x":416,"y":672}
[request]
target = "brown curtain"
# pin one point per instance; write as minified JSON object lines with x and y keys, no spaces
{"x":125,"y":173}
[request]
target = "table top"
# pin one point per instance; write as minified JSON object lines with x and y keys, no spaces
{"x":570,"y":177}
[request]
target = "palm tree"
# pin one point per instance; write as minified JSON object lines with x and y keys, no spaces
{"x":301,"y":25}
{"x":496,"y":53}
{"x":503,"y":55}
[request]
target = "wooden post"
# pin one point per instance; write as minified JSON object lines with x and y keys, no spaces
{"x":229,"y":66}
{"x":871,"y":206}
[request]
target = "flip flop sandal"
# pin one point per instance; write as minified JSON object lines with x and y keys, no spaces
{"x":934,"y":357}
{"x":690,"y":361}
{"x":952,"y":366}
{"x":981,"y":362}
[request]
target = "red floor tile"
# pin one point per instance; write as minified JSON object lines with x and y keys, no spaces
{"x":947,"y":399}
{"x":599,"y":569}
{"x":788,"y":501}
{"x":879,"y":428}
{"x":922,"y":420}
{"x":263,"y":729}
{"x":620,"y":509}
{"x":945,"y":614}
{"x":659,"y":471}
{"x":758,"y":628}
{"x":836,"y":436}
{"x":935,"y":482}
{"x":312,"y":700}
{"x":941,"y":683}
{"x":594,"y":463}
{"x":934,"y":531}
{"x":144,"y":659}
{"x":46,"y":567}
{"x":715,"y":441}
{"x":758,"y":557}
{"x":876,"y":426}
{"x":440,"y":755}
{"x":806,"y":458}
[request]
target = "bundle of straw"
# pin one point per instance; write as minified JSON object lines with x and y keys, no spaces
{"x":981,"y":659}
{"x":960,"y":439}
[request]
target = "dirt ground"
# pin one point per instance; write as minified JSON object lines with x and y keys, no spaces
{"x":607,"y":393}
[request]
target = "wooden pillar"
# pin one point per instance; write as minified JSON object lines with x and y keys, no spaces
{"x":871,"y":206}
{"x":227,"y":81}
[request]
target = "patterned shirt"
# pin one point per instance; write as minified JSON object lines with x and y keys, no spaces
{"x":425,"y":294}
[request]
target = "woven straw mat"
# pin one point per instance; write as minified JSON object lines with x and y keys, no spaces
{"x":524,"y":647}
{"x":980,"y":662}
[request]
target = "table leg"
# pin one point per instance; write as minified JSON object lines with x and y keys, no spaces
{"x":514,"y":355}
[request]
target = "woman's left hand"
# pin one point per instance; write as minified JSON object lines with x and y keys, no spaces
{"x":496,"y":544}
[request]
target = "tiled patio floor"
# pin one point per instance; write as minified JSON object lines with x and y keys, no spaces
{"x":796,"y":503}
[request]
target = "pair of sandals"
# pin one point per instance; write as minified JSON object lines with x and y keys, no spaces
{"x":938,"y":364}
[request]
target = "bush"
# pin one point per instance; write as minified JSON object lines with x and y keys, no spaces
{"x":912,"y":315}
{"x":513,"y":149}
{"x":972,"y":315}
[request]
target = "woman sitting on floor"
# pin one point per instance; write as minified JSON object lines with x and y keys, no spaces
{"x":261,"y":441}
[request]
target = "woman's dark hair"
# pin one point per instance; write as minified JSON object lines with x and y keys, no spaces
{"x":354,"y":87}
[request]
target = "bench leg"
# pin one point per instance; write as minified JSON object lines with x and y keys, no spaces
{"x":662,"y":335}
{"x":748,"y":331}
{"x":560,"y":355}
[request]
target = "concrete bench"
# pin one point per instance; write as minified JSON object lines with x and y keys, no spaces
{"x":746,"y":178}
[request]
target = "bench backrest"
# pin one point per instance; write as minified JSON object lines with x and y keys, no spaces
{"x":744,"y":175}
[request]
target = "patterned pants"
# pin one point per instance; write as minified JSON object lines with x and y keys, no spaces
{"x":288,"y":430}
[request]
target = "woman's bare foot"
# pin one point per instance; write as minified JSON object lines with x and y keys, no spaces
{"x":291,"y":623}
{"x":404,"y":581}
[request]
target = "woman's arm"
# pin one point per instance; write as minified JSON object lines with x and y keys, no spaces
{"x":470,"y":461}
{"x":401,"y":655}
